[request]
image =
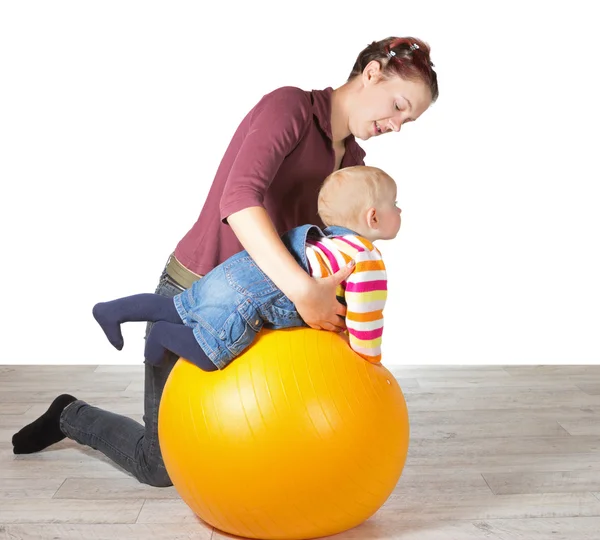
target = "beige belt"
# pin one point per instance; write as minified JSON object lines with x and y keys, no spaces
{"x":180,"y":274}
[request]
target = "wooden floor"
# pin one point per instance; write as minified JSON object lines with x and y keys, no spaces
{"x":496,"y":453}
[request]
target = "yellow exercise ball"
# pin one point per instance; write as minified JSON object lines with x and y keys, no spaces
{"x":297,"y":438}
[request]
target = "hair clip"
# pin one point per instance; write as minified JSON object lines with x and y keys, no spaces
{"x":391,"y":54}
{"x":414,"y":47}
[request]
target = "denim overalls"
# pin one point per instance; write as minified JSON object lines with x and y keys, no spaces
{"x":230,"y":304}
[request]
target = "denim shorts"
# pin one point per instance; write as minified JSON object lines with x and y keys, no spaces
{"x":230,"y":305}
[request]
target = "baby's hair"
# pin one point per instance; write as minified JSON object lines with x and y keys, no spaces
{"x":347,"y":192}
{"x":405,"y":57}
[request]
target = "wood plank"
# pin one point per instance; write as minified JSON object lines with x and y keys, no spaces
{"x":507,"y":463}
{"x":559,"y":371}
{"x":451,"y":506}
{"x":508,"y":416}
{"x":582,"y":426}
{"x":137,"y":531}
{"x":531,"y":428}
{"x":9,"y":370}
{"x":62,"y":387}
{"x":8,"y":407}
{"x":498,"y":446}
{"x":169,"y":511}
{"x":379,"y":528}
{"x":111,"y":489}
{"x":136,"y":370}
{"x":69,"y":511}
{"x":495,"y":398}
{"x":449,"y":372}
{"x":26,"y":488}
{"x":509,"y":381}
{"x":566,"y":528}
{"x":543,"y":482}
{"x":382,"y":528}
{"x":419,"y":484}
{"x":592,"y":389}
{"x":56,"y":463}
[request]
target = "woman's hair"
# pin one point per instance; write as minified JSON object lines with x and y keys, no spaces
{"x":405,"y":57}
{"x":347,"y":193}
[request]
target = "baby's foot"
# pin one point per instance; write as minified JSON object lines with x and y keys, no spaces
{"x":112,"y":328}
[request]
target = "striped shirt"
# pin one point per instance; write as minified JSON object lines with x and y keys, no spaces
{"x":365,"y":291}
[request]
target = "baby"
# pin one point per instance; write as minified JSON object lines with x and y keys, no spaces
{"x":213,"y":321}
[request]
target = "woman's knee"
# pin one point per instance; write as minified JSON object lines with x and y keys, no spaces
{"x":154,"y":474}
{"x":156,"y":477}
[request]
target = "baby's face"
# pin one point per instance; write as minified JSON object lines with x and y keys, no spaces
{"x":389,"y":213}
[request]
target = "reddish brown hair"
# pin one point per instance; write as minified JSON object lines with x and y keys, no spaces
{"x":405,"y":57}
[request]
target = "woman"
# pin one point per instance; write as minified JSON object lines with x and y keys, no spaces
{"x":267,"y":183}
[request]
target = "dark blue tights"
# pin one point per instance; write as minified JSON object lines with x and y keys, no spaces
{"x":167,"y":333}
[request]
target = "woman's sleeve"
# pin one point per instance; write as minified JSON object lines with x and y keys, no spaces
{"x":278,"y":123}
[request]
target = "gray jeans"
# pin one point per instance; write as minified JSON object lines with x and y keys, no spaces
{"x":129,"y":444}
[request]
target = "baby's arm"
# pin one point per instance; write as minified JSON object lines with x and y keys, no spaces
{"x":366,"y":293}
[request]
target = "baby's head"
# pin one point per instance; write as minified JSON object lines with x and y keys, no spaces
{"x":362,"y":199}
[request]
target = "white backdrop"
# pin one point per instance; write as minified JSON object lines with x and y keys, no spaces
{"x":114,"y":116}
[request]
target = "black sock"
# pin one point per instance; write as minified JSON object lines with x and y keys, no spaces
{"x":44,"y":431}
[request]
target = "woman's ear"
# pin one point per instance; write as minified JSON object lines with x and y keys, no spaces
{"x":372,"y":72}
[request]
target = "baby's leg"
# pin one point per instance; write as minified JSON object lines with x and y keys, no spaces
{"x":139,"y":307}
{"x":178,"y":339}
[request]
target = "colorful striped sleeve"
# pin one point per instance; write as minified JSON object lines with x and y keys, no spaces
{"x":366,"y":294}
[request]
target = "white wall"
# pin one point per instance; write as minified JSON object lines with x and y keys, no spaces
{"x":114,"y":116}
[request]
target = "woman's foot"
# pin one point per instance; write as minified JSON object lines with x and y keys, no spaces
{"x":44,"y":431}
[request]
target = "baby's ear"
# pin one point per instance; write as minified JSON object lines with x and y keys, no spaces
{"x":372,"y":218}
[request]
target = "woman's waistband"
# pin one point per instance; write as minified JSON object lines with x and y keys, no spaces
{"x":180,"y":274}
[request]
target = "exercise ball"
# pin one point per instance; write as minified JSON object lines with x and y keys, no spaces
{"x":299,"y":437}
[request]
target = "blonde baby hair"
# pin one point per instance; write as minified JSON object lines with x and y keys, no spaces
{"x":346,"y":193}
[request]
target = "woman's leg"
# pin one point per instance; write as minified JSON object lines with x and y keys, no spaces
{"x":131,"y":445}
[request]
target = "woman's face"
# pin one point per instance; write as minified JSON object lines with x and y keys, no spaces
{"x":384,"y":105}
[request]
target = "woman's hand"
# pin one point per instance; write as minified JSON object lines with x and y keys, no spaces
{"x":317,"y":303}
{"x":315,"y":299}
